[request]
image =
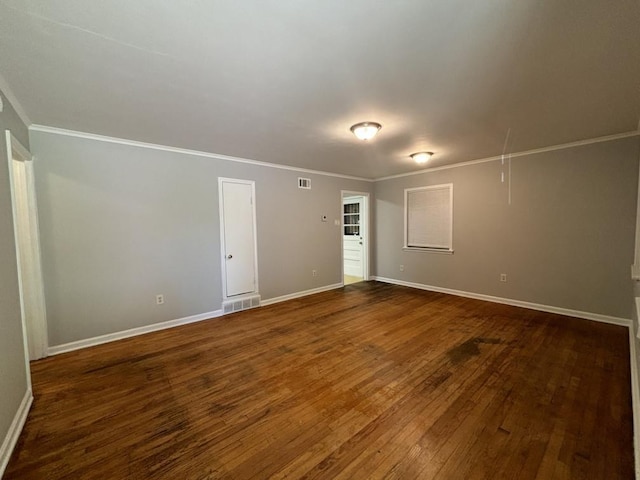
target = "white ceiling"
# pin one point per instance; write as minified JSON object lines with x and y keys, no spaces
{"x":283,"y":80}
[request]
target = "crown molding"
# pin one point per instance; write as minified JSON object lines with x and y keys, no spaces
{"x":13,"y":100}
{"x":525,"y":153}
{"x":185,"y":151}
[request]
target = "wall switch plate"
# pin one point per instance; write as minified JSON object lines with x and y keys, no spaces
{"x":314,"y":273}
{"x":503,"y":277}
{"x":402,"y":268}
{"x":159,"y":299}
{"x":336,"y":222}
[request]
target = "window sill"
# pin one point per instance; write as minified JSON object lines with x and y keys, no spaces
{"x":428,"y":250}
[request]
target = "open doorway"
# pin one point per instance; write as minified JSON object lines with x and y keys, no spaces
{"x":25,"y":222}
{"x":355,"y":237}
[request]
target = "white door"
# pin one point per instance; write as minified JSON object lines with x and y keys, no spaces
{"x":25,"y":218}
{"x":238,"y":235}
{"x":353,"y":226}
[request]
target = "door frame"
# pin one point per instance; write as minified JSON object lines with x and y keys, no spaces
{"x":223,"y":263}
{"x":22,"y":185}
{"x":366,"y":215}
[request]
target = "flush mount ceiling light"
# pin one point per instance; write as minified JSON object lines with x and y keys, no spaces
{"x":366,"y":130}
{"x":421,"y":157}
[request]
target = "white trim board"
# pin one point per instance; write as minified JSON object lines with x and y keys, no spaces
{"x":185,"y":151}
{"x":525,"y":153}
{"x":303,"y":293}
{"x":133,"y":332}
{"x":635,"y":400}
{"x":9,"y":442}
{"x":637,"y":306}
{"x":623,"y":322}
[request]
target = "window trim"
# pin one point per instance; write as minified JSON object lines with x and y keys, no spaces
{"x":405,"y":245}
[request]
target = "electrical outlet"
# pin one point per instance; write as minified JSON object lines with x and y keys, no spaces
{"x":159,"y":299}
{"x":503,"y":277}
{"x":402,"y":268}
{"x":314,"y":273}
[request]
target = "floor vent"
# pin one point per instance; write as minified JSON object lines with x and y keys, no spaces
{"x":238,"y":304}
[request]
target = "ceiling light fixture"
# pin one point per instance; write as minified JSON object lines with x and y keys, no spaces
{"x":366,"y":130}
{"x":421,"y":157}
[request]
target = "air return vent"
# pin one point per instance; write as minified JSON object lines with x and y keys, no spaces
{"x":304,"y":183}
{"x":244,"y":303}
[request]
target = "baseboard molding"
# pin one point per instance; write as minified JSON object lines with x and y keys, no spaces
{"x":111,"y":337}
{"x":635,"y":400}
{"x":624,"y":322}
{"x":304,"y":293}
{"x":15,"y":429}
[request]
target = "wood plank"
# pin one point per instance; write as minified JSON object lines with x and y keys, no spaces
{"x":369,"y":381}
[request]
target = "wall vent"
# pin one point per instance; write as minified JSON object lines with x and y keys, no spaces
{"x":304,"y":183}
{"x":244,"y":303}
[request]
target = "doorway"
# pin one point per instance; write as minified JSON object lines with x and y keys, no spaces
{"x":25,"y":225}
{"x":355,"y":237}
{"x":238,"y":237}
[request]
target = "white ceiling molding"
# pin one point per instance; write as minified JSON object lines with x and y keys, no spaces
{"x":8,"y":93}
{"x":607,"y":138}
{"x":184,"y":151}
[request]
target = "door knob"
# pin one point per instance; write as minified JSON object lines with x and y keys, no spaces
{"x":360,"y":243}
{"x":229,"y":256}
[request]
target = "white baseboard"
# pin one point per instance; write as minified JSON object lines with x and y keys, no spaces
{"x":291,"y":296}
{"x":635,"y":401}
{"x":15,"y":429}
{"x":624,"y":322}
{"x":110,"y":337}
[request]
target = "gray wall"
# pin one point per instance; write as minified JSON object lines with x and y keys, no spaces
{"x":13,"y":379}
{"x":120,"y":224}
{"x":566,"y":240}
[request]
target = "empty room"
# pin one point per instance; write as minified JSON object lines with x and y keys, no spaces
{"x":319,"y":240}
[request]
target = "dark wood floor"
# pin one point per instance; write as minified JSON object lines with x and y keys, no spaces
{"x":369,"y":381}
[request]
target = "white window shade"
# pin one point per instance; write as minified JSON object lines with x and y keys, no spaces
{"x":429,"y":217}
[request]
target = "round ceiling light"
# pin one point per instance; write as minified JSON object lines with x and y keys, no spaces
{"x":421,"y":157}
{"x":366,"y":130}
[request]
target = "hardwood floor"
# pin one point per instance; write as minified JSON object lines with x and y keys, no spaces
{"x":369,"y":381}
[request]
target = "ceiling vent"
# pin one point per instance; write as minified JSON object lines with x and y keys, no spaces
{"x":304,"y":183}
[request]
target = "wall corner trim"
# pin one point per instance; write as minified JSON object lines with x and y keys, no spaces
{"x":304,"y":293}
{"x":9,"y":442}
{"x":623,"y":322}
{"x":133,"y":332}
